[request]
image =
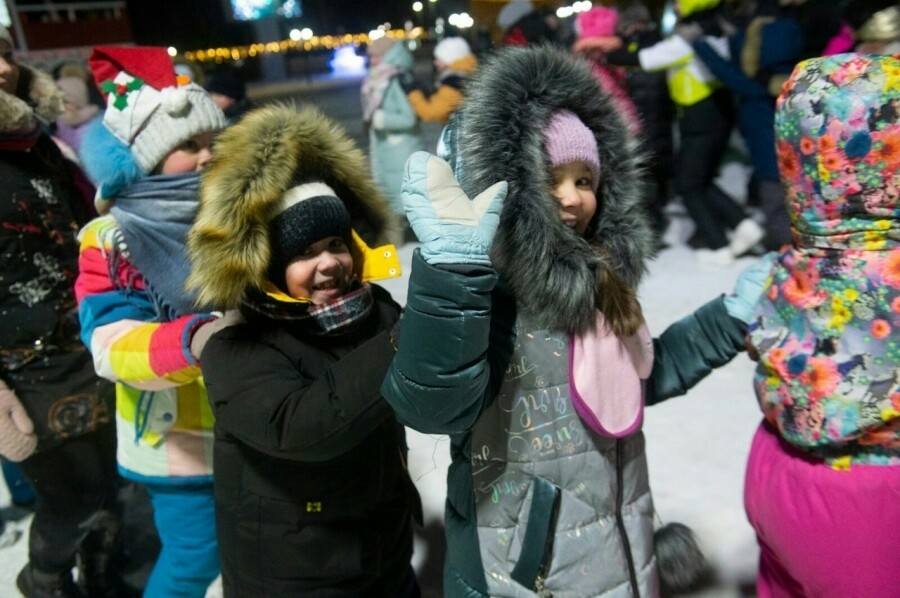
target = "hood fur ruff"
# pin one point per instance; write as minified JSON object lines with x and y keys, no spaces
{"x":43,"y":104}
{"x":549,"y":267}
{"x":254,"y":161}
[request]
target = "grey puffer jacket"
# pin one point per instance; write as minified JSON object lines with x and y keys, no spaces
{"x":539,"y":503}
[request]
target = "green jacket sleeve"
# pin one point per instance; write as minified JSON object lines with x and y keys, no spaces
{"x":440,"y":377}
{"x":688,"y":350}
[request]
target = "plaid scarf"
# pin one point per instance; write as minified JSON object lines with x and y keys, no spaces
{"x":340,"y":314}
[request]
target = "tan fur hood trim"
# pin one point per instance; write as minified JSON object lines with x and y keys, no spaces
{"x":44,"y":102}
{"x":253,"y":163}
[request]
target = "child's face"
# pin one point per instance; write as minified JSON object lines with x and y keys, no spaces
{"x":9,"y":70}
{"x":322,"y":272}
{"x":190,"y":156}
{"x":574,"y":192}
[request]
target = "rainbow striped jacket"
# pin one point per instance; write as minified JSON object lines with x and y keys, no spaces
{"x":163,"y":418}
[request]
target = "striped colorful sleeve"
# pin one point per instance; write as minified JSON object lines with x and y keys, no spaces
{"x":119,"y":327}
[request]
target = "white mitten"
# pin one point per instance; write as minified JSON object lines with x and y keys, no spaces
{"x":452,"y":228}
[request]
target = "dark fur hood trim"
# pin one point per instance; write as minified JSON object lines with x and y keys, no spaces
{"x":549,"y":268}
{"x":39,"y":101}
{"x":254,"y":161}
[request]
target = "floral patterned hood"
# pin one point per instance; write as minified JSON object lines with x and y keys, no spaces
{"x":828,"y":330}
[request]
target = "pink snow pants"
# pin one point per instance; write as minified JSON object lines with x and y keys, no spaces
{"x":822,"y":533}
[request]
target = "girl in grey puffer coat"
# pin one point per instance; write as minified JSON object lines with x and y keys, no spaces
{"x":528,"y":347}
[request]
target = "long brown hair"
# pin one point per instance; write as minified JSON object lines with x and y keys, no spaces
{"x":617,"y":301}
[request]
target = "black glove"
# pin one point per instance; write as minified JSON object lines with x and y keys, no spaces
{"x":408,"y":82}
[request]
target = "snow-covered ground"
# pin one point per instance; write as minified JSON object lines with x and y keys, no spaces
{"x":697,"y":444}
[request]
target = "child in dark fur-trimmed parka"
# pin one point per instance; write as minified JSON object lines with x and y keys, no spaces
{"x":524,"y":341}
{"x":312,"y":493}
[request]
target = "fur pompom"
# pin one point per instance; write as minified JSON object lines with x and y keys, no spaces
{"x":681,"y":564}
{"x":174,"y":99}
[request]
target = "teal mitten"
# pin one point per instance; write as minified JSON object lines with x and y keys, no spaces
{"x":750,"y":286}
{"x":452,"y":228}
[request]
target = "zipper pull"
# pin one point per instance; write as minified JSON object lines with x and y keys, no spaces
{"x":541,"y":590}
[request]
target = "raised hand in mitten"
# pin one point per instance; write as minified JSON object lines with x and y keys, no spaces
{"x":17,"y":438}
{"x":408,"y":82}
{"x":750,"y":286}
{"x":452,"y":228}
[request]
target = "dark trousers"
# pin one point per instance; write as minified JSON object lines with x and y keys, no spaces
{"x":778,"y":222}
{"x":75,"y":509}
{"x":705,"y":129}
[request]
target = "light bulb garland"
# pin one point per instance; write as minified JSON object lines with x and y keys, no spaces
{"x":316,"y":42}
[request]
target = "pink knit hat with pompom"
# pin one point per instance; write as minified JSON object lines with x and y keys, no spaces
{"x":599,"y":21}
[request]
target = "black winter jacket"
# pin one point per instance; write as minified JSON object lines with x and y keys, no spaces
{"x":311,"y":485}
{"x":41,"y":356}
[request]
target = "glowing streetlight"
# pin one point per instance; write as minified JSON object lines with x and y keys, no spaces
{"x":567,"y":11}
{"x":461,"y":20}
{"x":172,"y":51}
{"x":417,"y":7}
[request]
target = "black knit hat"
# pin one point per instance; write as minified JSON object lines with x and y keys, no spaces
{"x":307,"y":213}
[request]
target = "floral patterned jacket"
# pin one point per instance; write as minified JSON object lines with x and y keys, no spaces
{"x":828,"y":330}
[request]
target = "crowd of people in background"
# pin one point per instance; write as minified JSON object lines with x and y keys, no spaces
{"x":191,"y":308}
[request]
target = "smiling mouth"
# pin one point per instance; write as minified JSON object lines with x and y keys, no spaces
{"x":326,"y":286}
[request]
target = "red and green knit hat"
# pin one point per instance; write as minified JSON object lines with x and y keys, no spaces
{"x":149,"y":107}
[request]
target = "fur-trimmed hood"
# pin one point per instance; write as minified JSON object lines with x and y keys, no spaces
{"x":253,"y":163}
{"x":39,"y":100}
{"x":550,"y":268}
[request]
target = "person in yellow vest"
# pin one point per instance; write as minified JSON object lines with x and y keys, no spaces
{"x":705,"y":116}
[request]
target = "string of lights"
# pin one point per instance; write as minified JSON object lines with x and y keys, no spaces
{"x":303,"y":41}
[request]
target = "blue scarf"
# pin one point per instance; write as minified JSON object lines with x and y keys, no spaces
{"x":154,"y":215}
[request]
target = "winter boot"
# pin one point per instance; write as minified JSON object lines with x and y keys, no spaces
{"x":34,"y":583}
{"x":100,"y":560}
{"x":747,"y":234}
